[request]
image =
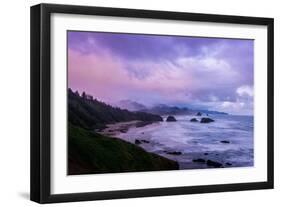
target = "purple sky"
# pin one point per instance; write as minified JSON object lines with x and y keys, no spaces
{"x":209,"y":73}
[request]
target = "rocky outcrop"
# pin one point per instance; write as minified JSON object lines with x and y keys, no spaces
{"x":171,"y":119}
{"x":213,"y":163}
{"x":206,"y":120}
{"x":200,"y":160}
{"x":193,"y":120}
{"x":123,"y":130}
{"x":137,"y":141}
{"x":141,"y":141}
{"x":225,"y":141}
{"x":173,"y":153}
{"x":199,"y":114}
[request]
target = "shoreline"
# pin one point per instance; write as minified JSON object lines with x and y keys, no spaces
{"x":187,"y":160}
{"x":88,"y":155}
{"x":123,"y":127}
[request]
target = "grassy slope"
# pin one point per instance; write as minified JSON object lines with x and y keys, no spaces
{"x":90,"y":152}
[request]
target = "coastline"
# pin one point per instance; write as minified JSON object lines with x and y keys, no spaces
{"x":89,"y":154}
{"x":184,"y":151}
{"x":123,"y":127}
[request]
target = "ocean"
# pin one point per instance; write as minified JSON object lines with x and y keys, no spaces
{"x":194,"y":145}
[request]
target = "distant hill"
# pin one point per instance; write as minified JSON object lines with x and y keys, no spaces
{"x":90,"y":113}
{"x":131,"y":105}
{"x":163,"y":109}
{"x":210,"y":112}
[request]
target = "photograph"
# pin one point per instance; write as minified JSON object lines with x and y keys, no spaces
{"x":133,"y":103}
{"x":149,"y":102}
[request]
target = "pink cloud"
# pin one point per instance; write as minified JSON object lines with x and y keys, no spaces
{"x":107,"y":79}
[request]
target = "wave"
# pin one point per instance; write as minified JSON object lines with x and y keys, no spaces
{"x":228,"y":140}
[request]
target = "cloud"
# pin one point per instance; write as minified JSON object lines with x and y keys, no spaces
{"x":210,"y":72}
{"x":105,"y":77}
{"x":245,"y":91}
{"x":138,"y":46}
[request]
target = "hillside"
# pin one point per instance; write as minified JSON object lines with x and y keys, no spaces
{"x":90,"y":152}
{"x":89,"y":113}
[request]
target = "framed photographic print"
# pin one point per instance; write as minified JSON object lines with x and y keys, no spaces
{"x":132,"y":103}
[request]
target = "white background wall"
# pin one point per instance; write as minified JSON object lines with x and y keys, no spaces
{"x":14,"y":102}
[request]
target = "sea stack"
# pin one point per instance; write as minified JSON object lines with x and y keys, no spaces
{"x":171,"y":118}
{"x":193,"y":120}
{"x":206,"y":120}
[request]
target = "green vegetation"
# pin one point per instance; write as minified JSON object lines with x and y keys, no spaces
{"x":89,"y":113}
{"x":90,"y":152}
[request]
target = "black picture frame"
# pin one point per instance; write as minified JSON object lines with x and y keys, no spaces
{"x":40,"y":102}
